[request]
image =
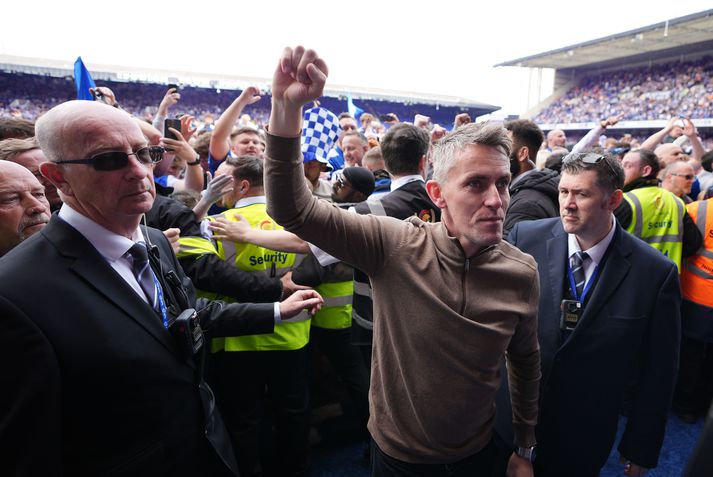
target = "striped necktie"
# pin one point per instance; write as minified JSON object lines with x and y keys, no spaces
{"x":577,"y":264}
{"x":143,"y":273}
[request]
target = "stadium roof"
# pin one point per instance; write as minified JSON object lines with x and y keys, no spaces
{"x":679,"y":36}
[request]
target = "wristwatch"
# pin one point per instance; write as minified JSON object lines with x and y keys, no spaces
{"x":526,"y":453}
{"x":196,"y":162}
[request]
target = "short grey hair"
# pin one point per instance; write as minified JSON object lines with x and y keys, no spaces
{"x":446,"y":150}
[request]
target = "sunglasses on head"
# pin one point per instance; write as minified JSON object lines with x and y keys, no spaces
{"x":115,"y":160}
{"x":586,"y":157}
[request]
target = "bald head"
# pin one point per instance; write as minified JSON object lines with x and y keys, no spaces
{"x":669,"y":153}
{"x":115,"y":197}
{"x":678,"y":178}
{"x":68,"y":127}
{"x":24,"y":210}
{"x":556,"y":138}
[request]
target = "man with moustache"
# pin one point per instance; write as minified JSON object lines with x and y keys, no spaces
{"x":24,"y":209}
{"x":608,"y":312}
{"x":27,"y":153}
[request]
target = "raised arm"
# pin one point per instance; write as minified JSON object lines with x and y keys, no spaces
{"x":656,"y":138}
{"x":363,"y":241}
{"x":219,"y":145}
{"x":169,"y":99}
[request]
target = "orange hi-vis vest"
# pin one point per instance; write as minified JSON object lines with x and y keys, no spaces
{"x":697,"y":270}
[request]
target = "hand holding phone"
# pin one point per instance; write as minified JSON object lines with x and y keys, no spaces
{"x":171,"y":123}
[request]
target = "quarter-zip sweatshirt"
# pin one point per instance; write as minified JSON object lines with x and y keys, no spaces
{"x":443,"y":322}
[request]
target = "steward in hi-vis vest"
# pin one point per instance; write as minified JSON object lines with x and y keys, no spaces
{"x":657,"y":219}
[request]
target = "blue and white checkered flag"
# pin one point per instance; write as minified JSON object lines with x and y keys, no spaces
{"x":319,"y":133}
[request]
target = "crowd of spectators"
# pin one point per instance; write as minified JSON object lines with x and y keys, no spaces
{"x":646,"y":93}
{"x":27,"y":96}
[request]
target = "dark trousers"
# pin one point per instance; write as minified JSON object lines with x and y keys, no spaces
{"x":695,"y":378}
{"x":246,"y":382}
{"x":346,"y":360}
{"x":477,"y":465}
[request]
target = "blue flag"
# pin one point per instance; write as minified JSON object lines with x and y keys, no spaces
{"x":353,"y":109}
{"x":83,"y":80}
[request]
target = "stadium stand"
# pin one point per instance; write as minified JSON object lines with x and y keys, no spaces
{"x":645,"y":76}
{"x":29,"y":95}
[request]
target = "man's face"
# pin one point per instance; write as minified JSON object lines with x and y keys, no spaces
{"x":347,"y":124}
{"x":353,"y":151}
{"x":680,"y":180}
{"x":229,"y":199}
{"x":176,"y":168}
{"x":247,"y":144}
{"x":558,"y":138}
{"x":585,"y":209}
{"x":474,"y":197}
{"x":669,"y":153}
{"x":342,"y":190}
{"x":113,"y":199}
{"x":24,"y":210}
{"x":313,"y":169}
{"x":31,"y":161}
{"x":632,"y":167}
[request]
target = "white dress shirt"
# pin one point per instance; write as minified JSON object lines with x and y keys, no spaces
{"x":113,"y":247}
{"x":595,"y":253}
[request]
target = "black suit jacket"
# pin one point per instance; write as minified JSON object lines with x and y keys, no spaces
{"x":406,"y":201}
{"x":92,"y":383}
{"x":630,"y":329}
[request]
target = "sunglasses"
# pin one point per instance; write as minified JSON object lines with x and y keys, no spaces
{"x":115,"y":160}
{"x":586,"y":157}
{"x":688,"y":177}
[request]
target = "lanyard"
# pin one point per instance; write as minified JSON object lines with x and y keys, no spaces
{"x":161,"y":302}
{"x":587,"y":286}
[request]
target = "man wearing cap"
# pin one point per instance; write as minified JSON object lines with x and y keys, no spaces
{"x":352,"y":186}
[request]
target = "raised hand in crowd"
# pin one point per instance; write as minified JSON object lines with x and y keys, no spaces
{"x":421,"y":121}
{"x":299,"y":78}
{"x":610,"y":121}
{"x":219,"y":143}
{"x":437,"y":133}
{"x":217,"y":188}
{"x":461,"y":119}
{"x":691,"y":134}
{"x":655,"y":139}
{"x":170,"y":98}
{"x":184,"y":152}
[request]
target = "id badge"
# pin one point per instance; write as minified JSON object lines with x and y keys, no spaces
{"x":570,"y":315}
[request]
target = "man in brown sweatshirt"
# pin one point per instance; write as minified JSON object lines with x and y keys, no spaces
{"x":451,"y":299}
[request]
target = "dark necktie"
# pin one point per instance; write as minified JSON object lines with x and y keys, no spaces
{"x":142,"y":271}
{"x":577,"y":264}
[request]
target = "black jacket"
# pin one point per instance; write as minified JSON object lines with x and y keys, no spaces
{"x":208,"y":272}
{"x":92,"y":383}
{"x":534,"y":197}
